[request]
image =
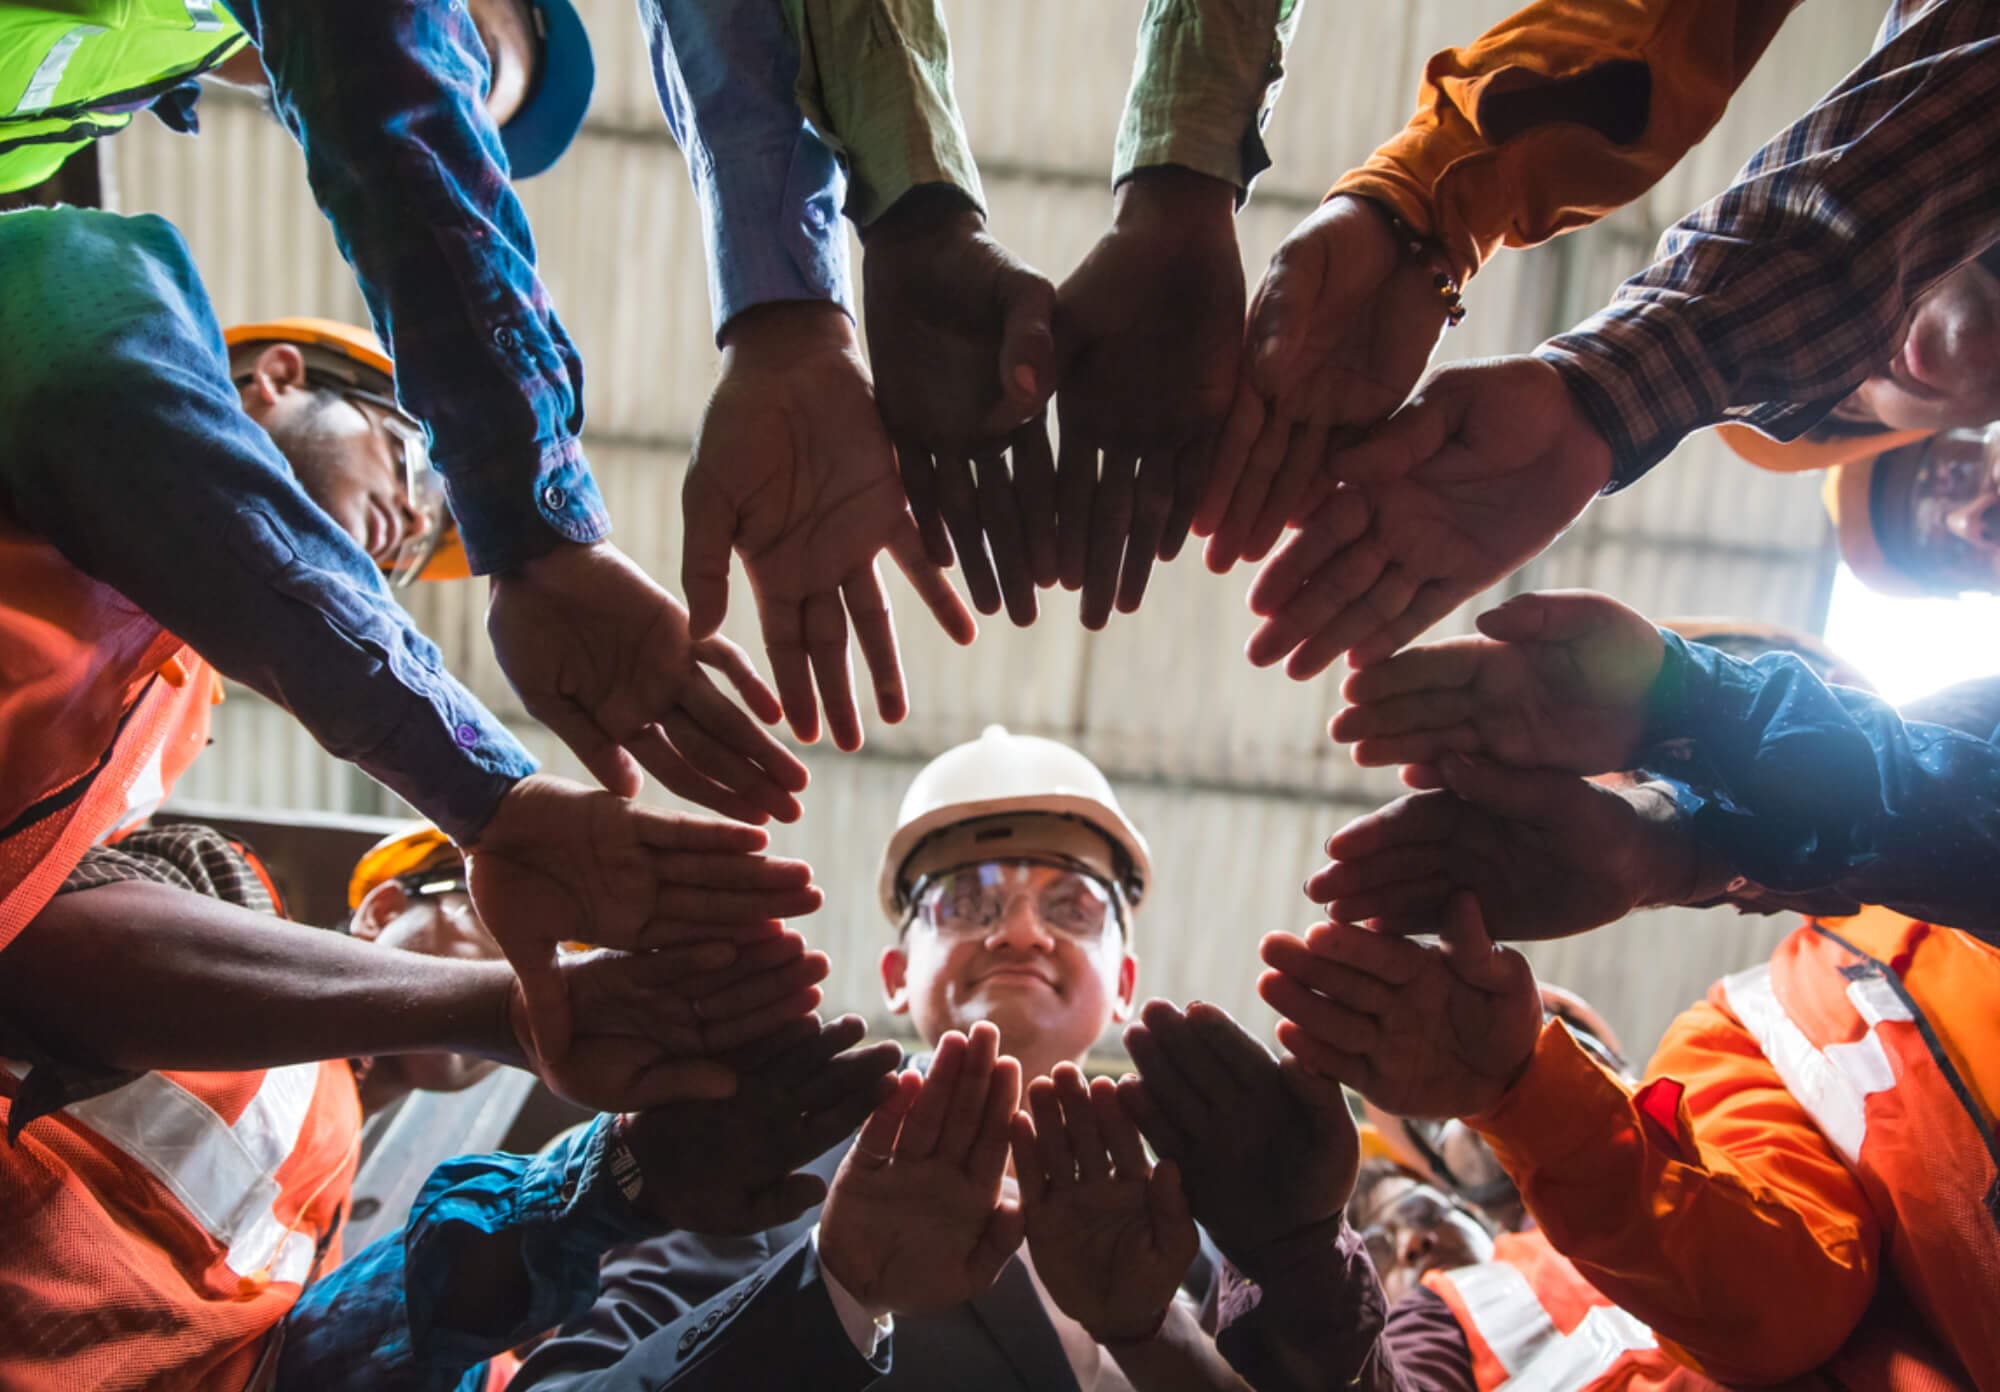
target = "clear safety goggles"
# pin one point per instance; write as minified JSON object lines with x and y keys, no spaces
{"x":423,"y":487}
{"x":973,"y":900}
{"x":1419,"y":1209}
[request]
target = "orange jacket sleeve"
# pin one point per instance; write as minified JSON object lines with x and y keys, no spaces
{"x":1707,"y":1204}
{"x":1560,"y":114}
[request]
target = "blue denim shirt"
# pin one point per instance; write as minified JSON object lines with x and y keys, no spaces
{"x":771,"y":190}
{"x":124,"y":443}
{"x":374,"y":1320}
{"x":388,"y":103}
{"x":1807,"y":789}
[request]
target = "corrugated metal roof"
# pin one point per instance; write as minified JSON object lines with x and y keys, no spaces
{"x":1227,"y":768}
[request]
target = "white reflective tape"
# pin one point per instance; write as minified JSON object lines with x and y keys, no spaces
{"x":1581,"y":1357}
{"x":49,"y":72}
{"x":1876,"y":1000}
{"x":143,"y":798}
{"x":294,"y":1261}
{"x":202,"y":17}
{"x":1833,"y":1086}
{"x":225,"y":1175}
{"x":1506,"y":1311}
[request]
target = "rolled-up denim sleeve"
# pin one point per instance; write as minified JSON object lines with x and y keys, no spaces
{"x":550,"y":1217}
{"x":124,"y":444}
{"x":388,"y":103}
{"x":1803,"y":787}
{"x":770,"y":188}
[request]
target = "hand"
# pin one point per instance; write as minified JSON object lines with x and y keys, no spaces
{"x":728,"y":1166}
{"x":603,"y":657}
{"x":791,"y":469}
{"x":657,"y":1027}
{"x":1420,"y":1031}
{"x":959,"y":336}
{"x":1457,"y":490}
{"x":1559,"y":681}
{"x":1265,"y":1149}
{"x":914,"y":1221}
{"x":1149,"y":327}
{"x":1110,"y":1234}
{"x":1340,"y":329}
{"x":559,"y":863}
{"x":1547,"y":854}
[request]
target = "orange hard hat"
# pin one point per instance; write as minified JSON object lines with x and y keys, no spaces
{"x":355,"y":357}
{"x":405,"y":852}
{"x":1805,"y":455}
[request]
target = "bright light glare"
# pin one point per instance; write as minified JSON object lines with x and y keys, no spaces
{"x":1912,"y":647}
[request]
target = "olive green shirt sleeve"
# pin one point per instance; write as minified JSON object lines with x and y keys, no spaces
{"x":1203,"y":85}
{"x":875,"y":81}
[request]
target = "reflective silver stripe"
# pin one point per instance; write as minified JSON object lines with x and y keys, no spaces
{"x":1832,"y":1084}
{"x":202,"y":17}
{"x":1506,"y":1311}
{"x":1578,"y":1359}
{"x":49,"y":72}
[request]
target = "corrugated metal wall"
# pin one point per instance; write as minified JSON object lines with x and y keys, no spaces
{"x":1226,"y":768}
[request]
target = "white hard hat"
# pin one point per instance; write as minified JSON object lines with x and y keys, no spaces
{"x":1003,"y":776}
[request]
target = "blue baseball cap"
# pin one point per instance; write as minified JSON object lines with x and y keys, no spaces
{"x":554,"y":109}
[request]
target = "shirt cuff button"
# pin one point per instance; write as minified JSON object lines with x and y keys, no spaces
{"x":466,"y":735}
{"x":553,"y":498}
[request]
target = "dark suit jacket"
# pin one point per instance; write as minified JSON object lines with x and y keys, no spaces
{"x":752,"y":1314}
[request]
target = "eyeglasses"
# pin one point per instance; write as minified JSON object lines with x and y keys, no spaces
{"x":972,"y":900}
{"x":1419,"y":1209}
{"x":423,"y":488}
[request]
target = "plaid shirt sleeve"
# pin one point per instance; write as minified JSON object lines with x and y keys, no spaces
{"x":1204,"y":85}
{"x":1775,"y":300}
{"x":387,"y":101}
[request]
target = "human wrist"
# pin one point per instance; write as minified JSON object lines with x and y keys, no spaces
{"x":1668,"y":861}
{"x":785,"y":331}
{"x":926,"y":212}
{"x":1170,"y":197}
{"x":1122,"y":1339}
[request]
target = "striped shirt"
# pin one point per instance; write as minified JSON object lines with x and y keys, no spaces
{"x":1775,"y":300}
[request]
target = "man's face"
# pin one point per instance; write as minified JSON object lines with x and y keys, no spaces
{"x":344,"y":452}
{"x":1411,"y":1228}
{"x":1945,"y":371}
{"x":1035,"y":948}
{"x":1936,"y":507}
{"x":397,"y":914}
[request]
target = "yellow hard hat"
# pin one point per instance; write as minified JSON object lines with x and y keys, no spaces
{"x":401,"y":853}
{"x":998,"y":793}
{"x":356,"y":357}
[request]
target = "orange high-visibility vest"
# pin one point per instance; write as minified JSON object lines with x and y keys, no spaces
{"x":152,"y":1236}
{"x":1534,"y":1324}
{"x":1870,"y":1022}
{"x":101,"y":710}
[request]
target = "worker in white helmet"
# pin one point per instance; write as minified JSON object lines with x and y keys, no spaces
{"x":1012,"y":880}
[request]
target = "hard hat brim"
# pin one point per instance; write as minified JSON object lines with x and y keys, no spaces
{"x":1109,"y":823}
{"x":550,"y":118}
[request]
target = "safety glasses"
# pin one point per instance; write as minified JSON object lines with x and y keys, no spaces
{"x":423,"y":488}
{"x":972,"y":900}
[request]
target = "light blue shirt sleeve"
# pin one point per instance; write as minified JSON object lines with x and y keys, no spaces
{"x":771,"y":190}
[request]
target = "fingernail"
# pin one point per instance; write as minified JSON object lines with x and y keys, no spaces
{"x":1024,"y":377}
{"x":1268,"y":347}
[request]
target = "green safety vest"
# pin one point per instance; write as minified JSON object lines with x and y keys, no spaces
{"x":73,"y":70}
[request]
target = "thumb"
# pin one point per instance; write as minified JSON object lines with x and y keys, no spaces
{"x":1166,"y":1200}
{"x":1550,"y":616}
{"x":1276,"y":333}
{"x":1539,"y":797}
{"x":680,"y":1080}
{"x":546,"y":996}
{"x":1004,"y":1230}
{"x":1027,"y":348}
{"x":607,"y":762}
{"x":708,"y":531}
{"x":1474,"y":957}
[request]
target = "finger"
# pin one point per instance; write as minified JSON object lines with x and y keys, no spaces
{"x":1035,"y":494}
{"x":658,"y":829}
{"x":791,"y":667}
{"x":1433,"y":601}
{"x":1136,"y":1099}
{"x":663,"y":756}
{"x":1190,"y":1054}
{"x":1086,"y":1142}
{"x":1027,"y":346}
{"x":683,"y":915}
{"x":1328,"y":595}
{"x":999,"y":1242}
{"x":1166,"y":1201}
{"x":1121,"y":1137}
{"x":1054,"y":1159}
{"x":1248,"y":1062}
{"x":1334,"y":1025}
{"x":1355,"y":1070}
{"x":546,"y":997}
{"x":1240,"y":431}
{"x":1266,"y":454}
{"x":960,"y":504}
{"x":708,"y":531}
{"x":881,"y":1134}
{"x":757,"y":994}
{"x":1076,"y":496}
{"x":757,"y":1055}
{"x":1023,"y":1141}
{"x":722,"y":870}
{"x":1474,"y":957}
{"x":913,"y":461}
{"x":725,"y":657}
{"x":1304,"y":460}
{"x":1345,"y":986}
{"x":875,"y":629}
{"x":1549,"y":616}
{"x":933,"y":587}
{"x":1178,"y":1100}
{"x":925,"y":1123}
{"x":1389,"y":960}
{"x":1389,"y":751}
{"x":1450,"y":665}
{"x":1191,"y":469}
{"x":1110,"y":529}
{"x":987,"y":1161}
{"x":1336,"y":525}
{"x":1153,"y":499}
{"x":968,"y":1100}
{"x":1000,"y":517}
{"x":1390,"y":867}
{"x":1365,"y":620}
{"x":850,"y":1074}
{"x":809,"y":1055}
{"x":730,"y":726}
{"x":601,"y":756}
{"x":826,"y":650}
{"x":824,"y":1127}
